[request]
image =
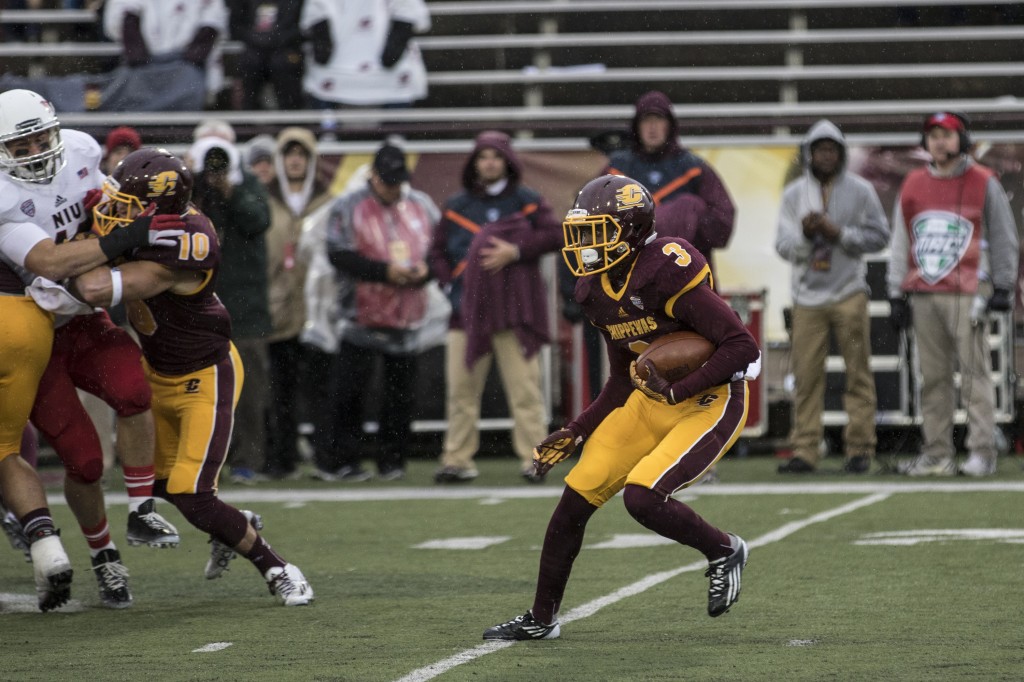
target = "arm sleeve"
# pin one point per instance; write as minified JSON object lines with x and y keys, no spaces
{"x":870,"y":232}
{"x":898,"y":252}
{"x":323,"y":46}
{"x":790,"y":242}
{"x":1003,"y":242}
{"x":437,"y":256}
{"x":249,"y":210}
{"x":398,"y":39}
{"x":17,"y":239}
{"x":199,"y":49}
{"x":359,"y":267}
{"x":133,"y":45}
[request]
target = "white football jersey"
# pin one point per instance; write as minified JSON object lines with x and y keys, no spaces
{"x":57,"y":207}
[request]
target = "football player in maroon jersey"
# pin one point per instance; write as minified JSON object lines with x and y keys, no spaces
{"x":192,"y":366}
{"x":648,"y":438}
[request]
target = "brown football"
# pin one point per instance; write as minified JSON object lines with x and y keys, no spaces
{"x":675,"y":355}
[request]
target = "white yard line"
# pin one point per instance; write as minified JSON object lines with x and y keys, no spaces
{"x":434,"y":670}
{"x":349,"y":493}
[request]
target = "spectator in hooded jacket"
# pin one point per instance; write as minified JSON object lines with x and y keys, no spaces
{"x":689,"y":198}
{"x":829,"y":218}
{"x":294,"y":192}
{"x":486,"y":253}
{"x":119,"y":143}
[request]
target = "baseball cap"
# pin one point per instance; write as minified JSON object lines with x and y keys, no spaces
{"x":944,"y":119}
{"x":390,"y":165}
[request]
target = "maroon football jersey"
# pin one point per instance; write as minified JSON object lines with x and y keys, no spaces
{"x":179,"y":333}
{"x":667,"y":290}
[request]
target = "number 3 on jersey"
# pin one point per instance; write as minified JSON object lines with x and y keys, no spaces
{"x":682,"y":257}
{"x":197,"y":247}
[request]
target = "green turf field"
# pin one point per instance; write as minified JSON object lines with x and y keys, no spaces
{"x":850,"y":578}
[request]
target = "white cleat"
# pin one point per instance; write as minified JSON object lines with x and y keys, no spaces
{"x":52,"y":572}
{"x":289,"y":585}
{"x":221,"y":555}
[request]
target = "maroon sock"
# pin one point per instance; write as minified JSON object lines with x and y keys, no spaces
{"x":674,"y":520}
{"x":562,"y":544}
{"x":37,"y":524}
{"x":263,"y":556}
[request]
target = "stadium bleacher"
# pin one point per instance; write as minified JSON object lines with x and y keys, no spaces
{"x":568,"y":68}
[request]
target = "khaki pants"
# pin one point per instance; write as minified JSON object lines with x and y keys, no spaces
{"x":946,"y":340}
{"x":850,"y":322}
{"x":520,"y":377}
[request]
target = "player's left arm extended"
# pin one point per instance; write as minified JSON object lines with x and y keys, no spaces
{"x":134,"y":281}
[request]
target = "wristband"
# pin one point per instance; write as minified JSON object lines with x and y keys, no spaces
{"x":116,"y":287}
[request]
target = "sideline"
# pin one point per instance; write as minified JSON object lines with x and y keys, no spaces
{"x":434,"y":670}
{"x":266,"y":493}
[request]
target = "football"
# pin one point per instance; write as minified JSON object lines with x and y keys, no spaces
{"x":675,"y":355}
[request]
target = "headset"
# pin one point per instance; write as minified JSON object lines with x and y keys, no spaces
{"x":965,"y":135}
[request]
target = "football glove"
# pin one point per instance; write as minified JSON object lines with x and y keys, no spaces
{"x":655,"y":386}
{"x":146,"y":230}
{"x":553,"y":449}
{"x":899,"y":313}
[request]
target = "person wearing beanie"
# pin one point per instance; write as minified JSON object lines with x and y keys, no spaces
{"x":119,"y":143}
{"x":486,"y":253}
{"x":690,"y":199}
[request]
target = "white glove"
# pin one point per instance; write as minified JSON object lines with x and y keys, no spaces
{"x":752,"y":371}
{"x":54,"y":298}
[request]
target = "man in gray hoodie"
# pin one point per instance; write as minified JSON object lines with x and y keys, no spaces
{"x":829,"y":218}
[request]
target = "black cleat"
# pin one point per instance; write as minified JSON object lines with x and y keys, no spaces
{"x":795,"y":465}
{"x":146,"y":527}
{"x":112,"y":577}
{"x":724,"y":590}
{"x":523,"y":627}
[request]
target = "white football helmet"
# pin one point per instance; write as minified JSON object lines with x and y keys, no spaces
{"x":25,"y":114}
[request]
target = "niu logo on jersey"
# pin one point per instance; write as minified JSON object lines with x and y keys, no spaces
{"x":192,"y":386}
{"x":162,"y":184}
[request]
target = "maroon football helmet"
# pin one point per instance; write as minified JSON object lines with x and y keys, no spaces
{"x":146,"y":176}
{"x":613,"y":217}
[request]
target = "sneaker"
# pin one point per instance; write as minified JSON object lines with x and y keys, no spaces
{"x":112,"y":576}
{"x":926,"y":465}
{"x":978,"y":465}
{"x":396,"y":474}
{"x":724,"y":590}
{"x":52,"y":570}
{"x":289,"y":585}
{"x":795,"y":465}
{"x":352,"y":474}
{"x":15,"y":533}
{"x":146,"y":527}
{"x":221,"y":555}
{"x":452,"y":474}
{"x":859,"y":464}
{"x":243,"y":476}
{"x":522,"y":628}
